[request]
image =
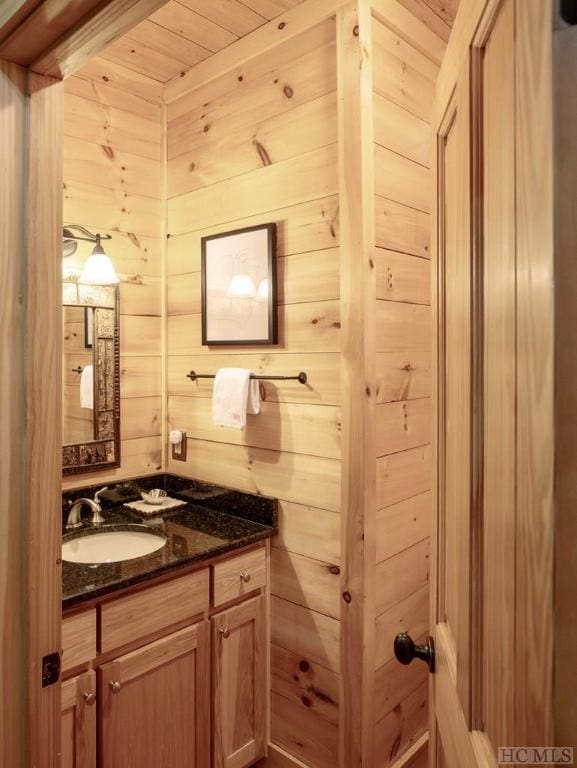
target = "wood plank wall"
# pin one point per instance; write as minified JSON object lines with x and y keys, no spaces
{"x":404,"y":81}
{"x":113,"y":184}
{"x":259,"y":145}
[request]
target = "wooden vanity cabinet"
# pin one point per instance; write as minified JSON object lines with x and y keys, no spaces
{"x":154,"y":703}
{"x":239,"y":664}
{"x":195,"y":696}
{"x":78,"y":706}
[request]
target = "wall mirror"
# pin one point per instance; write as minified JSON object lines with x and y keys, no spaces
{"x":91,"y":378}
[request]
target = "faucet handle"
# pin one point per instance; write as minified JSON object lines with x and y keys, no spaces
{"x":97,"y":494}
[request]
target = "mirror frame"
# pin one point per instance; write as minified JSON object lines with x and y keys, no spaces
{"x":78,"y":458}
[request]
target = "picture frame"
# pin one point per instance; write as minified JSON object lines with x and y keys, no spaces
{"x":239,"y":292}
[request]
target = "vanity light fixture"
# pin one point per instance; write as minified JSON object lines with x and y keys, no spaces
{"x":98,"y":269}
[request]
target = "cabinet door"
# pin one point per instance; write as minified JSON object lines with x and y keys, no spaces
{"x":239,"y":684}
{"x":155,"y":704}
{"x":79,"y":722}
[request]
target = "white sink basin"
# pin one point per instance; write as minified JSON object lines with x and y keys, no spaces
{"x":111,"y":546}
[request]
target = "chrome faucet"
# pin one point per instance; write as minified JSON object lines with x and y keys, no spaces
{"x":75,"y":514}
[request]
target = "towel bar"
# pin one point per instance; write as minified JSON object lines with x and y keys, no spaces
{"x":301,"y":378}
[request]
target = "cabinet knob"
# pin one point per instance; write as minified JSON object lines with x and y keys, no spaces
{"x":89,"y":697}
{"x":225,"y":633}
{"x":115,"y":686}
{"x":245,"y":577}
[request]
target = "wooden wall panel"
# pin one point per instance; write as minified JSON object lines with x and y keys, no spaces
{"x":403,"y":97}
{"x":112,"y":184}
{"x":238,"y":157}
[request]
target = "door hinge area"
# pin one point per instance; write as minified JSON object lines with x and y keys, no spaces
{"x":50,"y":669}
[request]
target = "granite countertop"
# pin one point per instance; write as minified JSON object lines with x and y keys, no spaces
{"x":194,"y":533}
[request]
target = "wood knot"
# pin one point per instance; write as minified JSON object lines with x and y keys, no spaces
{"x":240,"y":78}
{"x":288,"y":91}
{"x":304,"y":666}
{"x":334,"y":569}
{"x":356,"y":30}
{"x":106,"y":79}
{"x":347,"y":597}
{"x":262,"y":153}
{"x":282,"y":25}
{"x":367,"y":391}
{"x":371,"y":264}
{"x":306,"y":701}
{"x":206,"y":128}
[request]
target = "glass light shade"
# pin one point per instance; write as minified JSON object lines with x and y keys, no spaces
{"x":241,"y":287}
{"x":99,"y":269}
{"x":262,"y":293}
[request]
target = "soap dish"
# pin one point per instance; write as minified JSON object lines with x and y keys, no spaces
{"x":156,"y":496}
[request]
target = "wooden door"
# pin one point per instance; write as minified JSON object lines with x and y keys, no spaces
{"x":239,"y":684}
{"x":79,"y":722}
{"x":155,"y":704}
{"x":492,"y":560}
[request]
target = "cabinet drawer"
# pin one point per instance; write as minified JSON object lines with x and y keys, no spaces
{"x":238,"y":576}
{"x":130,"y":618}
{"x":78,"y":639}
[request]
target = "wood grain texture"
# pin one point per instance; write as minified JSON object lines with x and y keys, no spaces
{"x":43,"y":409}
{"x":239,"y":684}
{"x":77,"y":44}
{"x":227,"y":583}
{"x":78,"y":639}
{"x":78,"y":722}
{"x":535,"y":382}
{"x":565,"y":69}
{"x":138,"y":724}
{"x":357,"y":231}
{"x":12,"y":413}
{"x":133,"y":617}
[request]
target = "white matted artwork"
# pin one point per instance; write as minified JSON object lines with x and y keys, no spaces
{"x":239,"y":287}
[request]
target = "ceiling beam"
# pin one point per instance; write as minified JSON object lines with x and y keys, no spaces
{"x":111,"y":20}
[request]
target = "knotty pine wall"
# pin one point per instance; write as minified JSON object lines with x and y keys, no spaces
{"x":255,"y":146}
{"x":113,"y":184}
{"x":403,"y":92}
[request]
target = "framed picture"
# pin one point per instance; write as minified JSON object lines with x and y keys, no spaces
{"x":239,"y":287}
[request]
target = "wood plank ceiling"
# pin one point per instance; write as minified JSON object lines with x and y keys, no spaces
{"x":184,"y":32}
{"x":178,"y":35}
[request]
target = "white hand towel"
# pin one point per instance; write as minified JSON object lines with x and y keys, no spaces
{"x":234,"y":395}
{"x":87,"y":387}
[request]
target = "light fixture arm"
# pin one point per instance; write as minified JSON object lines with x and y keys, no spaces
{"x":68,"y":232}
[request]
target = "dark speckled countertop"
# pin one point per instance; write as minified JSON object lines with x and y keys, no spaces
{"x":198,"y":531}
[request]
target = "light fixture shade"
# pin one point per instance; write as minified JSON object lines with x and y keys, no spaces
{"x":98,"y":269}
{"x":262,"y":293}
{"x":241,"y":287}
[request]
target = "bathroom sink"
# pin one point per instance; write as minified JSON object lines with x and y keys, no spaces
{"x":112,"y":546}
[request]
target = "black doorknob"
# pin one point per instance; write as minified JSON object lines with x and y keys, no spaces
{"x":406,"y":650}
